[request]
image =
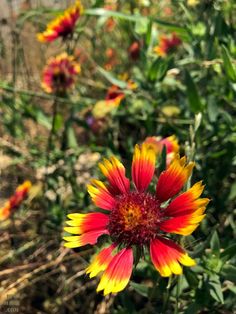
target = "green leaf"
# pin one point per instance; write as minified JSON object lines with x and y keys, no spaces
{"x":71,"y":138}
{"x":162,"y":166}
{"x":229,"y":68}
{"x":228,"y":253}
{"x":140,"y":288}
{"x":216,"y":289}
{"x":212,"y":109}
{"x":148,"y":37}
{"x":180,"y":30}
{"x":215,"y":244}
{"x":42,"y":119}
{"x":137,"y":17}
{"x":232,"y":194}
{"x":58,"y":122}
{"x":193,"y":308}
{"x":229,"y":272}
{"x":216,"y":292}
{"x":158,"y":69}
{"x":114,"y":14}
{"x":111,"y":78}
{"x":141,"y":26}
{"x":192,"y":94}
{"x":191,"y":278}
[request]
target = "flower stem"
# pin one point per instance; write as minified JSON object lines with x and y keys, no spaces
{"x":167,"y":295}
{"x":50,"y":137}
{"x":177,"y":295}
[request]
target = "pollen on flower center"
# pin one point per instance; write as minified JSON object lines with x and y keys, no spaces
{"x":135,"y":218}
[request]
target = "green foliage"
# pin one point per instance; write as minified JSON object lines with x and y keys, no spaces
{"x":57,"y":141}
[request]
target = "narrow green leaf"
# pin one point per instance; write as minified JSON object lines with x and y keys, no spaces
{"x":158,"y":69}
{"x":228,"y":253}
{"x":140,"y":288}
{"x":229,"y":68}
{"x":162,"y":166}
{"x":193,"y":308}
{"x":191,"y":278}
{"x":192,"y":94}
{"x":115,"y":14}
{"x":42,"y":119}
{"x":215,"y":244}
{"x":137,"y":17}
{"x":212,"y":109}
{"x":71,"y":138}
{"x":112,"y":79}
{"x":216,"y":291}
{"x":148,"y":37}
{"x":141,"y":26}
{"x":229,"y":272}
{"x":58,"y":122}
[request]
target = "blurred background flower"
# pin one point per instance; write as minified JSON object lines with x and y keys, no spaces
{"x":63,"y":26}
{"x":60,"y":74}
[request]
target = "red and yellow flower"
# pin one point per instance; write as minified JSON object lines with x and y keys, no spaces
{"x":15,"y":200}
{"x":60,"y":74}
{"x":157,"y":143}
{"x":114,"y":95}
{"x":167,"y":44}
{"x":63,"y":26}
{"x":137,"y":218}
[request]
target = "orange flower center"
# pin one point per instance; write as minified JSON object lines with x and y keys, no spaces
{"x":135,"y":218}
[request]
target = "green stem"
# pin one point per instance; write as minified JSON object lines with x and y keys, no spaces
{"x":41,"y":95}
{"x":167,"y":295}
{"x":50,"y":138}
{"x":177,"y":295}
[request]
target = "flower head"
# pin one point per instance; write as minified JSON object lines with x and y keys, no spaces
{"x":63,"y":26}
{"x":60,"y":74}
{"x":157,"y":143}
{"x":114,"y":95}
{"x":15,"y":200}
{"x":167,"y":44}
{"x":134,"y":217}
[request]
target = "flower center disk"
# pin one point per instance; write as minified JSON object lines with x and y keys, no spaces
{"x":135,"y":219}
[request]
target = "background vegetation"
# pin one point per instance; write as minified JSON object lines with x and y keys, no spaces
{"x":190,"y":93}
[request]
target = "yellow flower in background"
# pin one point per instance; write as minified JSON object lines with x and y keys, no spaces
{"x":193,"y":3}
{"x":63,"y":26}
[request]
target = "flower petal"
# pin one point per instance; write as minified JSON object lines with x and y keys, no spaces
{"x":5,"y":211}
{"x":114,"y":171}
{"x":183,"y":225}
{"x":167,"y":257}
{"x":187,"y":202}
{"x":173,"y":179}
{"x":118,"y":273}
{"x":171,"y":143}
{"x":185,"y":212}
{"x":100,"y":195}
{"x":81,"y":223}
{"x":101,"y":261}
{"x":84,"y":239}
{"x":143,"y":166}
